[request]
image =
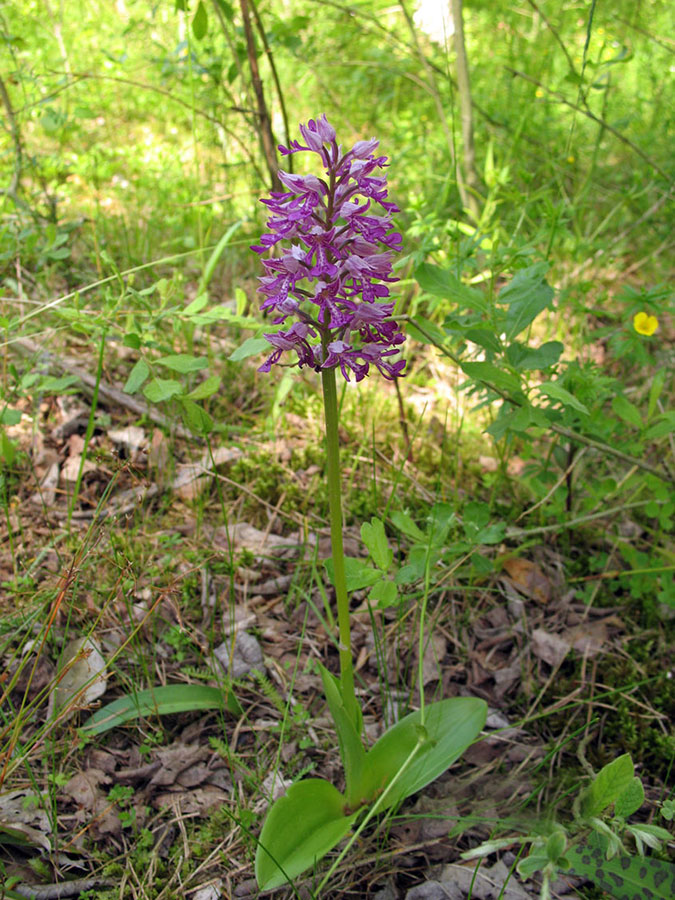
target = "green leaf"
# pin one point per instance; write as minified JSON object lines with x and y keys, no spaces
{"x":442,"y":283}
{"x":385,"y":594}
{"x":652,"y":835}
{"x":184,"y":363}
{"x":197,"y":305}
{"x":196,"y":418}
{"x":206,"y":389}
{"x":484,"y":337}
{"x":535,"y":862}
{"x":161,"y":389}
{"x":200,"y":22}
{"x":352,"y":753}
{"x":7,"y":449}
{"x":132,"y":340}
{"x":527,"y":294}
{"x":358,"y":573}
{"x":300,"y":828}
{"x":526,"y":358}
{"x":488,"y":374}
{"x":251,"y":347}
{"x":631,"y":799}
{"x":406,"y":526}
{"x":51,"y":384}
{"x":626,"y":877}
{"x":627,"y":411}
{"x":160,"y":701}
{"x":375,"y":539}
{"x":663,"y":426}
{"x":607,"y":786}
{"x":655,"y":389}
{"x":556,"y":392}
{"x":10,"y":416}
{"x":556,"y":845}
{"x":451,"y":725}
{"x":137,"y":376}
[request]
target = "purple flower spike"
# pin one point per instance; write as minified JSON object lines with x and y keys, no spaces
{"x":334,"y":266}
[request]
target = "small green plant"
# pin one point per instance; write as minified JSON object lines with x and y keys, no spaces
{"x":598,"y":841}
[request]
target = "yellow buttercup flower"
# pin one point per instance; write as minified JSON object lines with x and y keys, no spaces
{"x":645,"y":324}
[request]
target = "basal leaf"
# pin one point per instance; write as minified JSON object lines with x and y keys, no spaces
{"x":300,"y":828}
{"x":160,"y":701}
{"x":624,"y":877}
{"x":451,"y":726}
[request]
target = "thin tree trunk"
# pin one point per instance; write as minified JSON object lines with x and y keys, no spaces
{"x":264,"y":124}
{"x":470,"y":178}
{"x":13,"y":128}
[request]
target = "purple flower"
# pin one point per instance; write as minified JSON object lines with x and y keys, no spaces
{"x":333,"y":264}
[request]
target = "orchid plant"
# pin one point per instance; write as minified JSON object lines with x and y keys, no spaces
{"x":332,"y":238}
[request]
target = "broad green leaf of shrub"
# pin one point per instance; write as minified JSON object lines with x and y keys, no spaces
{"x":527,"y":295}
{"x":375,"y":539}
{"x":627,"y":411}
{"x":200,"y":21}
{"x":526,"y":358}
{"x":251,"y":347}
{"x":196,"y":418}
{"x":556,"y":392}
{"x":489,"y":374}
{"x":160,"y":389}
{"x":442,"y":283}
{"x":207,"y":388}
{"x":300,"y":828}
{"x":626,"y":877}
{"x":160,"y":701}
{"x":10,"y":416}
{"x":137,"y":377}
{"x":607,"y":786}
{"x":451,"y":726}
{"x":183,"y":363}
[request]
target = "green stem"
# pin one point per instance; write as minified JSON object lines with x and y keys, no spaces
{"x":340,"y":582}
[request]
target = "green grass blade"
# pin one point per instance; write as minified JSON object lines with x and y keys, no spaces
{"x":161,"y":701}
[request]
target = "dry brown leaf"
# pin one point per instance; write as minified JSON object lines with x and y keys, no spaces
{"x":197,"y":801}
{"x":71,"y":467}
{"x":529,"y":579}
{"x":192,"y":478}
{"x":589,"y":638}
{"x":22,"y":811}
{"x":552,"y":648}
{"x":84,"y":677}
{"x":484,"y":884}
